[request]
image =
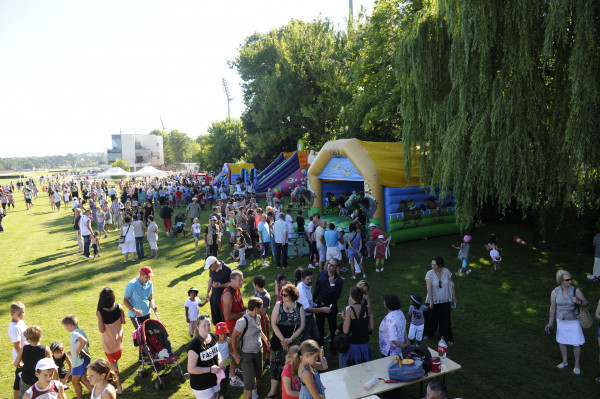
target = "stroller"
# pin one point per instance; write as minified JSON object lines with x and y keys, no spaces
{"x":152,"y":339}
{"x":179,"y":226}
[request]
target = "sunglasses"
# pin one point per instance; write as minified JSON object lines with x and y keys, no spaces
{"x":285,"y":295}
{"x":440,"y":285}
{"x":567,"y":279}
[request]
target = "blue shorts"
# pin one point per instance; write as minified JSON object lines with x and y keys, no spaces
{"x":81,"y":370}
{"x":196,"y":235}
{"x":464,"y":263}
{"x":322,"y":253}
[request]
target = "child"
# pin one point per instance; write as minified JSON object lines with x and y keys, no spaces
{"x":45,"y":387}
{"x":60,"y":358}
{"x":221,"y":331}
{"x":196,"y":231}
{"x":239,"y":249}
{"x":463,"y":255}
{"x":16,"y":329}
{"x":152,"y":236}
{"x":380,"y":253}
{"x":96,"y":244}
{"x":192,"y":311}
{"x":416,"y":318}
{"x":279,"y":283}
{"x":79,"y":353}
{"x":231,"y":229}
{"x":171,"y":200}
{"x":110,"y":323}
{"x":290,"y":382}
{"x":495,"y":256}
{"x":101,"y":375}
{"x":260,"y":292}
{"x":305,"y":366}
{"x":28,"y":356}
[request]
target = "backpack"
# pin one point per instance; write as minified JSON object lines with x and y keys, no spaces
{"x":241,"y":340}
{"x":406,"y":373}
{"x":421,"y":352}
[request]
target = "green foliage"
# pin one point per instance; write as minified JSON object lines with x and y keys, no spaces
{"x":178,"y":147}
{"x":225,"y":142}
{"x":499,"y":101}
{"x":121,"y":163}
{"x":53,"y":161}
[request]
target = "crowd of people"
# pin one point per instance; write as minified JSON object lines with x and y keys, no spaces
{"x":287,"y":336}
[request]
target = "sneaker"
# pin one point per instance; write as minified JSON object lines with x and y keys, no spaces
{"x":310,"y":266}
{"x":469,"y":271}
{"x":562,"y":365}
{"x":591,"y":277}
{"x":66,"y":387}
{"x":167,"y":233}
{"x":254,"y":394}
{"x":264,"y":265}
{"x":381,"y":269}
{"x":364,"y":275}
{"x":353,"y":277}
{"x":576,"y":371}
{"x":377,"y":270}
{"x":236,"y":382}
{"x":344,"y":269}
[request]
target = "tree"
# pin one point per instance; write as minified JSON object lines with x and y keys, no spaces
{"x":180,"y":146}
{"x":167,"y":152}
{"x":499,"y":101}
{"x":225,"y":142}
{"x":121,"y":163}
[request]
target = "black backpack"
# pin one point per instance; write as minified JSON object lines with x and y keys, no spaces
{"x":422,"y":353}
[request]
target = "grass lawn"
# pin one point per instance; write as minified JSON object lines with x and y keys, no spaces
{"x":498,"y":324}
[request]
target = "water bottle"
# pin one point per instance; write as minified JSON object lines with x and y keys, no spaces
{"x":442,"y":347}
{"x":369,"y":384}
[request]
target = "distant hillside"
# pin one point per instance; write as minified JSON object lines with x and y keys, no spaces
{"x":89,"y":159}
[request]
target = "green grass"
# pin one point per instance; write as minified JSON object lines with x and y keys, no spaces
{"x":498,"y":324}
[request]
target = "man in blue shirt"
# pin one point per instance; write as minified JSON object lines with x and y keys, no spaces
{"x":332,"y":243}
{"x":328,"y":290}
{"x":264,"y":237}
{"x":138,"y":297}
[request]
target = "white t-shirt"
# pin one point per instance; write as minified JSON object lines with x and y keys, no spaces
{"x":15,"y":333}
{"x":196,"y":229}
{"x":290,"y":224}
{"x":319,"y":233}
{"x":193,"y":311}
{"x":57,"y":196}
{"x":83,"y":226}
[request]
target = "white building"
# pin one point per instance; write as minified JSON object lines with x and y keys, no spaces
{"x":138,"y":150}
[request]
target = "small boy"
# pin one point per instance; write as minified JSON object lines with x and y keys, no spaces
{"x":28,"y":357}
{"x":260,"y":292}
{"x":239,"y":249}
{"x":192,"y":305}
{"x":221,"y":331}
{"x":45,"y":387}
{"x":60,"y":358}
{"x":416,"y":318}
{"x":16,"y":328}
{"x":79,"y":353}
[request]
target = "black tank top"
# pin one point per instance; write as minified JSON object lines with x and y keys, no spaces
{"x":111,"y":316}
{"x":31,"y":355}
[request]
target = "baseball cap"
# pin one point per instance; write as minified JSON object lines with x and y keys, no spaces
{"x":147,"y":271}
{"x":194,"y":199}
{"x":213,"y":218}
{"x":372,"y":225}
{"x":340,"y":229}
{"x":192,"y":290}
{"x":209,"y":261}
{"x":46,"y":364}
{"x":221,"y":328}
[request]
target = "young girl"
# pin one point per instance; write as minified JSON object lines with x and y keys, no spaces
{"x":495,"y":256}
{"x":60,"y":358}
{"x":79,"y":353}
{"x":463,"y":255}
{"x":192,"y":311}
{"x":305,"y":366}
{"x":416,"y":318}
{"x":380,"y":253}
{"x":110,"y":323}
{"x":101,"y":376}
{"x":231,"y":228}
{"x":96,"y":244}
{"x":171,"y":200}
{"x":290,"y":383}
{"x":221,"y":332}
{"x":279,"y":283}
{"x":45,"y":387}
{"x":196,"y":231}
{"x":152,"y":236}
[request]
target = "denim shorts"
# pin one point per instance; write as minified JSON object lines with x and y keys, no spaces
{"x":81,"y":370}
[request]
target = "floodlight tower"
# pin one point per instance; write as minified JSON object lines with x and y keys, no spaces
{"x":226,"y":90}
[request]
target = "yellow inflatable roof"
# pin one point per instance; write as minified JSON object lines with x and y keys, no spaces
{"x":389,"y":161}
{"x":236,"y":168}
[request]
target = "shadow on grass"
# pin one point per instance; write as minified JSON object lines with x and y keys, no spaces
{"x":186,"y":277}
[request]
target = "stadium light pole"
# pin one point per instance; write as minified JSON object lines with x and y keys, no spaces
{"x":226,"y":90}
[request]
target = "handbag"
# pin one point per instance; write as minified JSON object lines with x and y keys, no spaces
{"x":122,"y":238}
{"x":583,"y":315}
{"x":341,"y":341}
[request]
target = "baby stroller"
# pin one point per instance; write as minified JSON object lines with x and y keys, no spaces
{"x":179,"y":226}
{"x":152,"y":339}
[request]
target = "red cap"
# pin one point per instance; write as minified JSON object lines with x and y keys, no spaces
{"x":147,"y":271}
{"x":221,"y":328}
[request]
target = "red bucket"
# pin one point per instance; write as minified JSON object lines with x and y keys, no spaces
{"x":436,"y":363}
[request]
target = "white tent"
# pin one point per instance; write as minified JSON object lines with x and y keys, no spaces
{"x":149,"y":171}
{"x":114,"y":172}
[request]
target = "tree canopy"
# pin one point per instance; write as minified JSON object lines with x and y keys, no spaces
{"x":225,"y":142}
{"x":121,"y":163}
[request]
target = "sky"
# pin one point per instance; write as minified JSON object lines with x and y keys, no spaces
{"x":75,"y":72}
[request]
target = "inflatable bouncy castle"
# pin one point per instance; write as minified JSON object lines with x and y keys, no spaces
{"x":371,"y":176}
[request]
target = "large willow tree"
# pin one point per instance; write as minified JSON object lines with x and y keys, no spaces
{"x":501,"y":102}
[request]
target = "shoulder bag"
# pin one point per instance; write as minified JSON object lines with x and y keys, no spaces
{"x":583,"y":315}
{"x":122,"y":238}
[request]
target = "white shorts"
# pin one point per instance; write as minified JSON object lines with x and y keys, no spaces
{"x":207,"y":393}
{"x":153,"y":245}
{"x":596,"y":267}
{"x":334,"y":253}
{"x":416,"y":332}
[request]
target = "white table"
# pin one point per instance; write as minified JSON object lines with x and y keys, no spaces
{"x":347,"y":383}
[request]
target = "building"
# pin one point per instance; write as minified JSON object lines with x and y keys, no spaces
{"x":138,"y":150}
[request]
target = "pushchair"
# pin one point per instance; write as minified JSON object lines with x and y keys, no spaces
{"x":179,"y":226}
{"x":156,"y":352}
